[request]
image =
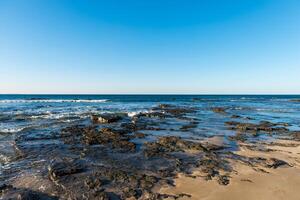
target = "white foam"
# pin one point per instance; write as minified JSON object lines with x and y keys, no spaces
{"x":53,"y":100}
{"x":11,"y":130}
{"x":134,"y":113}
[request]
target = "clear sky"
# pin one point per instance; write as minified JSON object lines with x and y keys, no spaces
{"x":153,"y":46}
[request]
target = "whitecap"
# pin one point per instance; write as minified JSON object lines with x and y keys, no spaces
{"x":134,"y":113}
{"x":12,"y":130}
{"x":53,"y":100}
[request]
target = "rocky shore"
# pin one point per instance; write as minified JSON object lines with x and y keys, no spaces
{"x":146,"y":156}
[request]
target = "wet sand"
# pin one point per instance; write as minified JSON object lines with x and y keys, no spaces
{"x":248,"y":183}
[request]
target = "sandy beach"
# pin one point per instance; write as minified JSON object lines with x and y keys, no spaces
{"x":249,"y":182}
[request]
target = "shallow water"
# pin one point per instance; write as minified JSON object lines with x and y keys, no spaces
{"x":38,"y":117}
{"x":24,"y":112}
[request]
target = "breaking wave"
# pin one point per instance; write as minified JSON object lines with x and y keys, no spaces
{"x":12,"y":130}
{"x":54,"y":100}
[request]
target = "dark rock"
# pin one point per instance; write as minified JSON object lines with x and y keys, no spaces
{"x":124,"y":145}
{"x":24,"y":194}
{"x":223,"y":180}
{"x":131,"y":193}
{"x":140,"y":135}
{"x":4,"y":118}
{"x":238,"y":137}
{"x":211,"y":165}
{"x":147,"y":182}
{"x":106,"y":118}
{"x":295,"y":100}
{"x":61,"y":168}
{"x":264,"y":126}
{"x":158,"y":196}
{"x":151,"y":115}
{"x":165,"y":106}
{"x":189,"y":126}
{"x":168,"y":144}
{"x":220,"y":110}
{"x":134,"y":126}
{"x":93,"y":182}
{"x":5,"y":187}
{"x":174,"y":110}
{"x":260,"y":161}
{"x":282,"y":124}
{"x":275,"y":163}
{"x":107,"y":136}
{"x":296,"y":135}
{"x":74,"y":134}
{"x":99,"y":195}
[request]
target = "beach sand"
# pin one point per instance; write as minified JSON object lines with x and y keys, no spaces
{"x":249,"y":183}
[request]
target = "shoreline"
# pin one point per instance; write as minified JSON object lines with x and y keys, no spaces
{"x":271,"y":184}
{"x":160,"y":153}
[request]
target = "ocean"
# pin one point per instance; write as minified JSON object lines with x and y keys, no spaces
{"x":19,"y":113}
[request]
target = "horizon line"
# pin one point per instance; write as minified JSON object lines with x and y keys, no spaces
{"x":295,"y":94}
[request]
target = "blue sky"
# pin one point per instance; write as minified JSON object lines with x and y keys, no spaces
{"x":157,"y":46}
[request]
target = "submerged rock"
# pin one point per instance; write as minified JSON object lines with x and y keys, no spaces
{"x":59,"y":168}
{"x":169,"y":144}
{"x":189,"y":126}
{"x":264,"y":126}
{"x":151,"y":115}
{"x":295,"y":100}
{"x":106,"y":118}
{"x":175,"y":111}
{"x":238,"y":137}
{"x":296,"y":135}
{"x":236,"y":116}
{"x":140,"y":135}
{"x":165,"y":106}
{"x":220,"y":110}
